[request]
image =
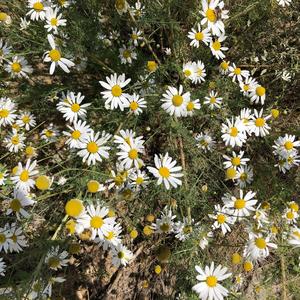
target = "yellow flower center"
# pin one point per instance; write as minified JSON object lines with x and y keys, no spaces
{"x":236,"y":161}
{"x":297,"y":234}
{"x":75,"y":107}
{"x":164,"y":172}
{"x":187,"y":73}
{"x":177,"y":100}
{"x":165,"y":227}
{"x":190,"y":106}
{"x":54,"y":22}
{"x":116,"y":91}
{"x":121,"y":255}
{"x":294,"y":206}
{"x":221,"y":219}
{"x":16,"y":67}
{"x":24,"y":176}
{"x":55,"y":55}
{"x":3,"y":16}
{"x":127,"y":54}
{"x":96,"y":222}
{"x":134,"y":36}
{"x":152,"y":65}
{"x":4,"y":113}
{"x":76,"y":134}
{"x":230,"y":173}
{"x":224,"y":65}
{"x":290,"y":215}
{"x":239,"y":203}
{"x":38,"y":6}
{"x":260,"y":91}
{"x":246,"y":87}
{"x":110,"y":235}
{"x":133,"y":154}
{"x":199,"y":36}
{"x":92,"y":147}
{"x":139,"y":180}
{"x":236,"y":258}
{"x":15,"y":205}
{"x":211,"y":15}
{"x":288,"y":145}
{"x":260,"y":122}
{"x":74,"y":208}
{"x":260,"y":243}
{"x":2,"y":238}
{"x":216,"y":45}
{"x":15,"y":140}
{"x":234,"y":131}
{"x":26,"y":119}
{"x":93,"y":186}
{"x":237,"y":71}
{"x":53,"y":262}
{"x":243,"y":177}
{"x":213,"y":100}
{"x":134,"y":105}
{"x":211,"y":281}
{"x":248,"y":266}
{"x":43,"y":182}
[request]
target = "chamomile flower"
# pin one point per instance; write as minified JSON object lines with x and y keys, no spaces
{"x":183,"y":229}
{"x":286,"y":145}
{"x":237,"y":73}
{"x":48,"y":289}
{"x":258,"y":246}
{"x":246,"y":116}
{"x":111,"y":238}
{"x":199,"y":72}
{"x":54,"y":20}
{"x":2,"y":267}
{"x":138,"y":9}
{"x":175,"y":101}
{"x":244,"y":176}
{"x":26,"y":119}
{"x":242,"y":206}
{"x":55,"y":259}
{"x":15,"y":141}
{"x":246,"y":85}
{"x":50,"y":133}
{"x":119,"y":177}
{"x":127,"y":55}
{"x":18,"y":67}
{"x":290,"y":216}
{"x":127,"y":136}
{"x":234,"y":132}
{"x":79,"y":131}
{"x":224,"y":67}
{"x":65,"y":3}
{"x":37,"y":9}
{"x":139,"y":178}
{"x":261,"y":217}
{"x":214,"y":20}
{"x":165,"y":223}
{"x":209,"y":286}
{"x":93,"y":149}
{"x":114,"y":95}
{"x":136,"y":36}
{"x":136,"y":104}
{"x":23,"y":178}
{"x":197,"y":35}
{"x":96,"y":219}
{"x":284,"y":3}
{"x":213,"y":101}
{"x":205,"y":142}
{"x":5,"y":236}
{"x":235,"y":160}
{"x":188,"y":70}
{"x":192,"y":106}
{"x":223,"y":219}
{"x":294,"y":237}
{"x":16,"y":205}
{"x":121,"y":255}
{"x":17,"y":239}
{"x":55,"y":57}
{"x":259,"y":124}
{"x":257,"y":94}
{"x":3,"y":175}
{"x":73,"y":109}
{"x":5,"y":50}
{"x":166,"y":171}
{"x":216,"y":47}
{"x":129,"y":154}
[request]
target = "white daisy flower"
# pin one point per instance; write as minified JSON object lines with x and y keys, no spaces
{"x":246,"y":116}
{"x":128,"y":136}
{"x":247,"y":85}
{"x":197,"y":35}
{"x":111,"y":238}
{"x":183,"y":229}
{"x":258,"y":246}
{"x":138,"y":9}
{"x":259,"y":124}
{"x":286,"y":145}
{"x":118,"y":178}
{"x":164,"y":224}
{"x":290,"y":216}
{"x":166,"y":171}
{"x":26,"y":119}
{"x":18,"y":67}
{"x":73,"y":109}
{"x":3,"y":175}
{"x":17,"y":240}
{"x":209,"y":287}
{"x":242,"y":206}
{"x":136,"y":104}
{"x":50,"y":133}
{"x":56,"y":259}
{"x":213,"y":101}
{"x":234,"y":133}
{"x":235,"y":160}
{"x":136,"y":36}
{"x":23,"y":178}
{"x":294,"y":237}
{"x":55,"y":57}
{"x":15,"y":141}
{"x":2,"y":267}
{"x":223,"y":219}
{"x":121,"y":255}
{"x":260,"y":217}
{"x":199,"y":72}
{"x":188,"y":70}
{"x":205,"y":142}
{"x":257,"y":94}
{"x":93,"y":148}
{"x":129,"y":154}
{"x":5,"y":236}
{"x":114,"y":95}
{"x":192,"y":106}
{"x":224,"y":67}
{"x":5,"y":50}
{"x":65,"y":3}
{"x":138,"y":178}
{"x":17,"y":204}
{"x":54,"y":20}
{"x":216,"y":47}
{"x":237,"y":74}
{"x":127,"y":55}
{"x":244,"y":176}
{"x":95,"y":219}
{"x":175,"y":101}
{"x":78,"y":133}
{"x":37,"y":9}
